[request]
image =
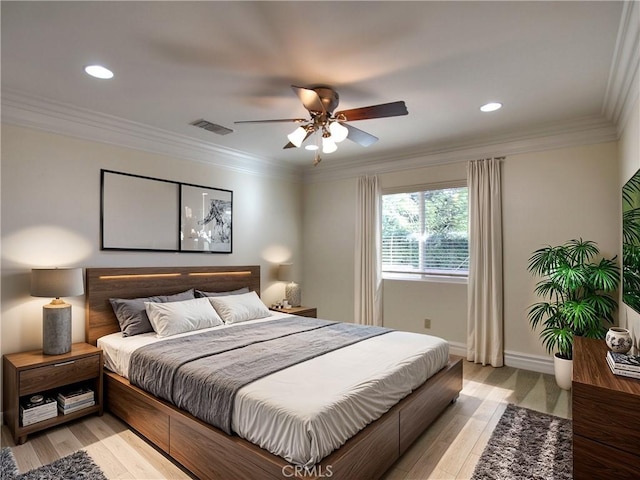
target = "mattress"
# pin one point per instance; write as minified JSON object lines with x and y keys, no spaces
{"x":306,"y":411}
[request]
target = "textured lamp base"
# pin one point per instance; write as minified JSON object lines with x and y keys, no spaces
{"x":56,"y":329}
{"x":292,"y":294}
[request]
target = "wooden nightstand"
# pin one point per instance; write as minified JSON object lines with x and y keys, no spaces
{"x":29,"y":373}
{"x":300,"y":311}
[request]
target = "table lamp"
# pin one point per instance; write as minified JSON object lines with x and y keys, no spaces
{"x":56,"y":316}
{"x":292,"y":290}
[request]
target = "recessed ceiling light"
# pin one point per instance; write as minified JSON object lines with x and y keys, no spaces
{"x":98,"y":71}
{"x":491,"y":107}
{"x":311,"y":147}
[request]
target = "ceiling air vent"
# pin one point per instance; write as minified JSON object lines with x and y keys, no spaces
{"x":212,"y":127}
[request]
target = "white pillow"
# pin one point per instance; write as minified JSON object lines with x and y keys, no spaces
{"x":178,"y":317}
{"x":240,"y":308}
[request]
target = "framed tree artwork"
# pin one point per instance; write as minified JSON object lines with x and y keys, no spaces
{"x":206,"y":216}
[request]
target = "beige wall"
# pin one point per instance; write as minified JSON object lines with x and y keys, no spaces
{"x":548,"y":197}
{"x":629,"y":152}
{"x":51,"y":217}
{"x":328,"y":248}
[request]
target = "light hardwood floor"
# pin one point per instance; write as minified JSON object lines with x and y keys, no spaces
{"x":448,"y":450}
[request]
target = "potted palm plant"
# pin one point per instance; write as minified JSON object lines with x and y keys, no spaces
{"x":576,"y":296}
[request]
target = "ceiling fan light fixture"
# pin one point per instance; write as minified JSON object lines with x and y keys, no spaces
{"x":338,"y":132}
{"x":328,"y":145}
{"x":491,"y":107}
{"x":329,"y":127}
{"x":297,"y":136}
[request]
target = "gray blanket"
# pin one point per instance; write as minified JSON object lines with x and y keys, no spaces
{"x":202,"y":373}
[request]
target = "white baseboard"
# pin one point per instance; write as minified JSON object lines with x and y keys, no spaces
{"x":534,"y":363}
{"x":456,"y":348}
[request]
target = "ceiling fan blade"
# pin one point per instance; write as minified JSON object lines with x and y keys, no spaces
{"x":291,"y":145}
{"x":361,"y":138}
{"x":393,"y":109}
{"x":287,"y":120}
{"x":310,"y":99}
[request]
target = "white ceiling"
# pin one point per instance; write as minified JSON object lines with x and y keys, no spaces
{"x":176,"y":62}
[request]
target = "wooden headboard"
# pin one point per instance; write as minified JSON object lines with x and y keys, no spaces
{"x":105,"y":283}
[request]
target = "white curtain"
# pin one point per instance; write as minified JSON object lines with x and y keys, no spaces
{"x":368,"y":274}
{"x":485,"y":325}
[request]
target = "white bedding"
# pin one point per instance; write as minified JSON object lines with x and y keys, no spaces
{"x":304,"y":412}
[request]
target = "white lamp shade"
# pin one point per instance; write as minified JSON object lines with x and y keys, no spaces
{"x":328,"y":145}
{"x":297,"y":136}
{"x":285,"y":272}
{"x":338,"y":132}
{"x":56,"y":282}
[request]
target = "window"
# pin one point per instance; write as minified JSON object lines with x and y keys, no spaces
{"x":426,"y":233}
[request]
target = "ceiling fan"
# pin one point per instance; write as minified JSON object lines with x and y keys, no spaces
{"x":332,"y":127}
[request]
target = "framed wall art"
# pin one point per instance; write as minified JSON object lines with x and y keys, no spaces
{"x":150,"y":214}
{"x":205,"y":219}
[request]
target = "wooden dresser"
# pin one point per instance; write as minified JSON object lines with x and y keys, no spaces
{"x":606,"y":416}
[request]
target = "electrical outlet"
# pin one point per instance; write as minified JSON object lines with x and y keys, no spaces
{"x":427,"y":323}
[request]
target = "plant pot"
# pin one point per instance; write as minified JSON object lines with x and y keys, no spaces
{"x":619,"y":340}
{"x":563,"y":369}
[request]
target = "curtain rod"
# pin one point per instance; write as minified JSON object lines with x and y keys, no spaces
{"x":490,"y":158}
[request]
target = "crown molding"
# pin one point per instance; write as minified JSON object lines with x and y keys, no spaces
{"x":624,"y":79}
{"x":55,"y":117}
{"x":584,"y":131}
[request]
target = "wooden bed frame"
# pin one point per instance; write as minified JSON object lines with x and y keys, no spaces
{"x":208,"y":452}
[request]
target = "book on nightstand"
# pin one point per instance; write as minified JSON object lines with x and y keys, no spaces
{"x":72,"y":400}
{"x":77,"y":395}
{"x":624,"y":364}
{"x":76,"y":406}
{"x":36,"y":409}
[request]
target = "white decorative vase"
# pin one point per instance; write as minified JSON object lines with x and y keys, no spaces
{"x":563,"y":369}
{"x":619,"y":340}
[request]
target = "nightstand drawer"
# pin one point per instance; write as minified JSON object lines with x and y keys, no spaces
{"x":63,"y":373}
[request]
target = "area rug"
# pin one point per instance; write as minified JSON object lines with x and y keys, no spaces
{"x":77,"y":466}
{"x":527,"y":445}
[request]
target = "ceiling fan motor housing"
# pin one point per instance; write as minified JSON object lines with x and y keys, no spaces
{"x":329,"y":98}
